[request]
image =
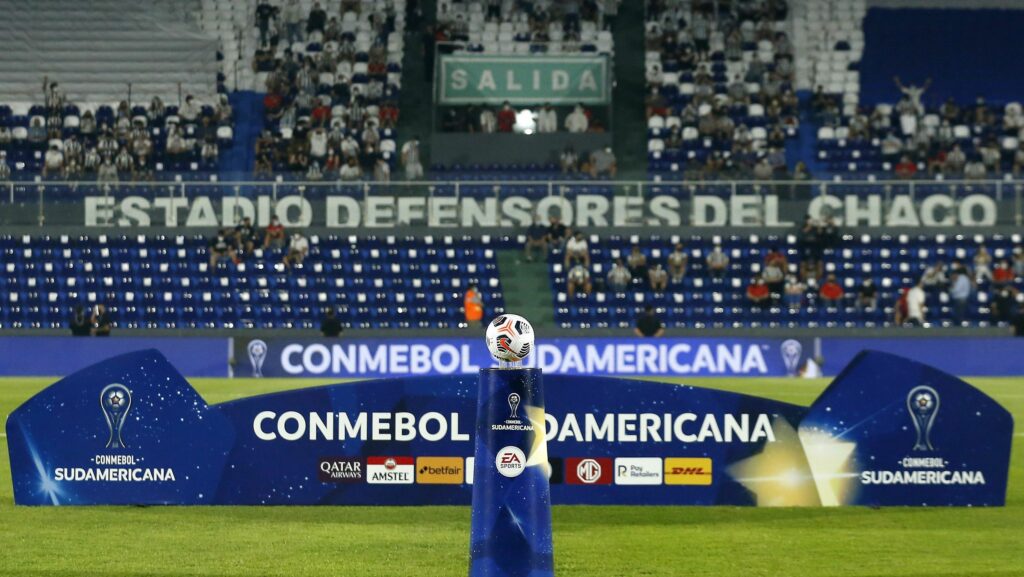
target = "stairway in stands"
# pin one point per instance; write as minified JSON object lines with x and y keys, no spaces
{"x":628,"y":95}
{"x":527,"y":288}
{"x":95,"y":49}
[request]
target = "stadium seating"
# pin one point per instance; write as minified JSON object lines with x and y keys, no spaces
{"x":346,"y":79}
{"x":165,"y":282}
{"x":722,"y":95}
{"x":512,"y":30}
{"x":894,"y":262}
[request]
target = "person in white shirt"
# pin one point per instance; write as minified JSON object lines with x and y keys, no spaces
{"x":658,"y":277}
{"x":382,"y":170}
{"x":411,"y":159}
{"x":547,"y":119}
{"x":53,"y":162}
{"x":351,"y":171}
{"x":5,"y":169}
{"x":619,"y":277}
{"x":915,"y":305}
{"x":488,"y":121}
{"x":190,"y":110}
{"x":349,"y":146}
{"x":577,"y":250}
{"x":318,"y":143}
{"x":578,"y":280}
{"x":677,"y":262}
{"x":298,"y":248}
{"x":913,"y":93}
{"x":577,"y":120}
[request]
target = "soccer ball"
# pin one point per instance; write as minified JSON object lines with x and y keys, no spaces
{"x":510,"y":338}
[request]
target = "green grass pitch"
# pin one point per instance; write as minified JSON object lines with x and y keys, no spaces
{"x":589,"y":541}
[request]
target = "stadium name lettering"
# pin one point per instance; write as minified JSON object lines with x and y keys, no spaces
{"x":433,"y":427}
{"x":649,"y":359}
{"x":112,"y":474}
{"x":585,"y":210}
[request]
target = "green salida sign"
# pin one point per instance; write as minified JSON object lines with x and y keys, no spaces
{"x":523,"y":79}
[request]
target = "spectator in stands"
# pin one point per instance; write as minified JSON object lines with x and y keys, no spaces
{"x":1005,"y":303}
{"x":80,"y":325}
{"x":411,"y":159}
{"x":351,"y":170}
{"x":190,"y":111}
{"x":678,"y":261}
{"x":934,"y":277}
{"x":637,"y":263}
{"x":578,"y":281}
{"x":488,"y":121}
{"x":36,"y":130}
{"x":1018,"y":159}
{"x":758,"y":292}
{"x":274,"y":235}
{"x":602,"y":163}
{"x":473,"y":305}
{"x":649,"y":325}
{"x":955,"y":161}
{"x":381,"y":169}
{"x":974,"y":169}
{"x":892,"y":147}
{"x":915,"y":300}
{"x":506,"y":117}
{"x":577,"y":250}
{"x":53,"y":162}
{"x":718,"y":262}
{"x":547,"y":119}
{"x":959,"y":294}
{"x":330,"y":326}
{"x":317,"y":19}
{"x":913,"y":93}
{"x":1018,"y":261}
{"x":298,"y":248}
{"x":5,"y":169}
{"x":101,"y":324}
{"x":558,"y":233}
{"x":906,"y":169}
{"x":658,"y":278}
{"x":577,"y":120}
{"x":619,"y":277}
{"x":536,"y":238}
{"x":245,"y":236}
{"x":831,"y":291}
{"x":569,"y":160}
{"x":222,"y":247}
{"x":982,"y":265}
{"x":794,"y":292}
{"x":107,"y":172}
{"x":774,"y":275}
{"x":867,"y":295}
{"x":1003,"y":274}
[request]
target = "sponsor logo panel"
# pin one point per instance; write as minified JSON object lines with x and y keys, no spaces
{"x":638,"y":471}
{"x":341,"y":469}
{"x":390,"y":470}
{"x":440,"y":470}
{"x":510,"y":461}
{"x":688,"y":471}
{"x":588,"y":471}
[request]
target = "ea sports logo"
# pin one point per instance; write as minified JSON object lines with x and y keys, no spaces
{"x":510,"y":461}
{"x":589,"y":471}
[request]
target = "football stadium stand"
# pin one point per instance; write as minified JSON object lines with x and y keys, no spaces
{"x":163,"y":281}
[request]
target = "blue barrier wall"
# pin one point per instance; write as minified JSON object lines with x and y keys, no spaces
{"x":60,"y":356}
{"x":966,"y":52}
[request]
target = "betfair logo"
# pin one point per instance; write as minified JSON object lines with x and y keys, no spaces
{"x":688,"y":471}
{"x":440,"y":470}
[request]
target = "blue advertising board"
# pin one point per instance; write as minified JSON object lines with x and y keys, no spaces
{"x":53,"y":356}
{"x":974,"y":356}
{"x":283,"y":357}
{"x":887,"y":431}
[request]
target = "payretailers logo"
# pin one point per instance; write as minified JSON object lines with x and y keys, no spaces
{"x":688,"y":471}
{"x":440,"y":470}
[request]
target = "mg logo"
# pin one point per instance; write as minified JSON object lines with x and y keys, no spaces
{"x":589,"y":471}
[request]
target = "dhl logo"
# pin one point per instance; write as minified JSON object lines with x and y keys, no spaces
{"x":688,"y":471}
